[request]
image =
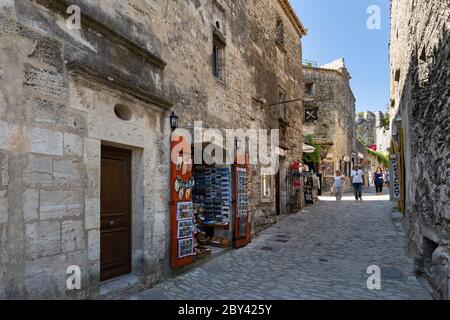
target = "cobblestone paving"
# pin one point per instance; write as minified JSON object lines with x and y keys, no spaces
{"x":321,"y":253}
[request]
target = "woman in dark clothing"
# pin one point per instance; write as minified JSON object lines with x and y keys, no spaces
{"x":378,"y":179}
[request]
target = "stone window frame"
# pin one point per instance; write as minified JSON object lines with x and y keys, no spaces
{"x":218,"y":57}
{"x":266,"y":187}
{"x":312,"y":92}
{"x":280,"y":34}
{"x":397,"y":75}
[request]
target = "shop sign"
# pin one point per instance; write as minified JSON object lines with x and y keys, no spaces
{"x":396,"y":179}
{"x":309,"y":190}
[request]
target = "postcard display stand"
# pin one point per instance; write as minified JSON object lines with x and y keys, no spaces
{"x":241,"y":226}
{"x":212,"y":199}
{"x":181,"y":208}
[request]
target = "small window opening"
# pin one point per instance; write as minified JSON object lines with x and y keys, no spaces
{"x":423,"y":55}
{"x":218,"y":59}
{"x":123,"y":112}
{"x":280,"y":33}
{"x":309,"y":89}
{"x":397,"y":75}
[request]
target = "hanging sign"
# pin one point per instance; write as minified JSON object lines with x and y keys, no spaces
{"x":181,"y":206}
{"x":396,"y":178}
{"x":308,"y":189}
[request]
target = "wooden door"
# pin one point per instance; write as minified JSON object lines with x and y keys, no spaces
{"x":278,"y":193}
{"x":115,"y":238}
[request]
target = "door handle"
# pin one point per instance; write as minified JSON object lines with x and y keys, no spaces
{"x":112,"y":223}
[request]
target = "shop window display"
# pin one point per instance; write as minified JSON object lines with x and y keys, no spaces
{"x":213,"y":205}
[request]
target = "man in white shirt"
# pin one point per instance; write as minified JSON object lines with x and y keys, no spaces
{"x":358,"y":182}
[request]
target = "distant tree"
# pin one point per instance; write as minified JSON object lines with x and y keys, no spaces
{"x":385,"y":122}
{"x":312,"y":157}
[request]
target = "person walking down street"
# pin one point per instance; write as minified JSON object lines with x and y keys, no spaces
{"x":339,"y":181}
{"x":370,"y":176}
{"x":358,"y":182}
{"x":378,"y":180}
{"x":386,"y":178}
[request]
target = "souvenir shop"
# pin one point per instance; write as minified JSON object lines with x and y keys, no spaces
{"x":209,"y":209}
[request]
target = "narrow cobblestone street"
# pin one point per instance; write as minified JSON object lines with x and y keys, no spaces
{"x":322,"y":253}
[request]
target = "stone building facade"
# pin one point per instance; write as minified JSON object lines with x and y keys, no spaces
{"x":330,"y":116}
{"x":68,"y":94}
{"x":420,"y":113}
{"x":383,"y":135}
{"x":366,"y":124}
{"x":369,"y":130}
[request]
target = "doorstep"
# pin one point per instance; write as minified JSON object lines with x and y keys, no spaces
{"x":118,"y":287}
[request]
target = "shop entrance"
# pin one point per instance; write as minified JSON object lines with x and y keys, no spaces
{"x":220,"y":200}
{"x":209,"y":206}
{"x":115,"y":233}
{"x":213,"y":207}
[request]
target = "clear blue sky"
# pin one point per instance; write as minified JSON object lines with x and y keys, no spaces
{"x":338,"y":28}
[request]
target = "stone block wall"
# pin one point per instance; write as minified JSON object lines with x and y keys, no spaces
{"x":56,"y":110}
{"x":336,"y":109}
{"x":420,"y":82}
{"x":256,"y":68}
{"x":58,"y":90}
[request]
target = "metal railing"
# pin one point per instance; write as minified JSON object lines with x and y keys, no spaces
{"x":310,"y":63}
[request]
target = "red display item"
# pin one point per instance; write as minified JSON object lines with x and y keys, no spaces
{"x":179,"y":172}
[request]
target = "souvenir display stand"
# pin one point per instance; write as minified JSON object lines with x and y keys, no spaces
{"x":213,"y":205}
{"x":241,"y":206}
{"x":181,"y":207}
{"x":209,"y":207}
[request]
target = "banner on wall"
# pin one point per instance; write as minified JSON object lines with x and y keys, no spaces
{"x":396,"y":178}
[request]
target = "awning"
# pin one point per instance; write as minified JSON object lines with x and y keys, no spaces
{"x":308,"y":148}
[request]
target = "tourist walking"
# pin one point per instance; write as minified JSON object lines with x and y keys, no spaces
{"x":386,"y":178}
{"x":338,"y":186}
{"x":358,"y":182}
{"x":378,"y":180}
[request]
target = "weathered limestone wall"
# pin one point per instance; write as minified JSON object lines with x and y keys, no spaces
{"x":58,"y":90}
{"x":255,"y":69}
{"x":368,"y":130}
{"x":420,"y":82}
{"x":336,"y":109}
{"x":383,"y":137}
{"x":276,"y":69}
{"x":366,"y":124}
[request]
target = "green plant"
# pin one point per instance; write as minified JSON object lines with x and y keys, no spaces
{"x":385,"y":122}
{"x":382,"y":158}
{"x":315,"y":156}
